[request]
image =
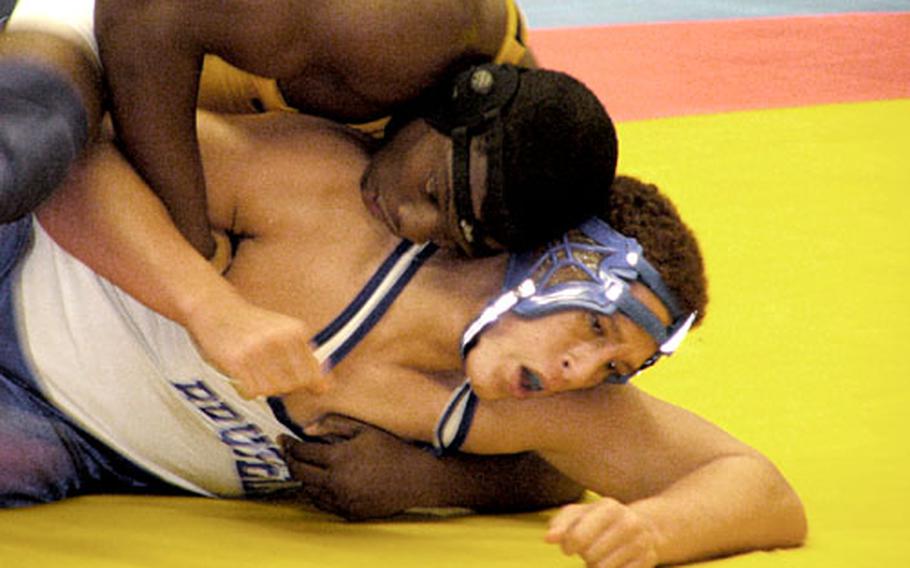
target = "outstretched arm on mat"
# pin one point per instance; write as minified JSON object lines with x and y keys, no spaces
{"x":358,"y":471}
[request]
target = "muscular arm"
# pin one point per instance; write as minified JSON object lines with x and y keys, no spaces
{"x":358,"y":471}
{"x":106,"y":216}
{"x":342,"y":58}
{"x":152,"y":53}
{"x":676,"y":488}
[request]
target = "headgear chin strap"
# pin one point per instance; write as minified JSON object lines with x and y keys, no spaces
{"x":537,"y":285}
{"x":472,"y":105}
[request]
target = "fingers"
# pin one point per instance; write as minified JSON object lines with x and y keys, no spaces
{"x":597,"y":521}
{"x":311,"y":453}
{"x":311,"y":463}
{"x":308,"y":371}
{"x":563,"y":521}
{"x":275,"y":367}
{"x":266,"y":353}
{"x":295,"y":366}
{"x":607,"y":552}
{"x":605,"y":534}
{"x":367,"y":475}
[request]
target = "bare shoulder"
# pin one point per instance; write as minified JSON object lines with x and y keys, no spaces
{"x":394,"y":38}
{"x":279,"y":170}
{"x":275,"y":137}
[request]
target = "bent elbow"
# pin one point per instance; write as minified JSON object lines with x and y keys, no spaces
{"x":788,"y":514}
{"x":795,"y":521}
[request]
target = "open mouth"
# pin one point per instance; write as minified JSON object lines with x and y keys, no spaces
{"x":530,"y":381}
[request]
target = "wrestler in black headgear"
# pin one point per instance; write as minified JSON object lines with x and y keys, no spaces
{"x":552,"y":152}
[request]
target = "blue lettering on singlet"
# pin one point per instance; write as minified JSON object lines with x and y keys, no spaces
{"x":259,"y":464}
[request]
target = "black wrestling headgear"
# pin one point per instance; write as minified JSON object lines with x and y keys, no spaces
{"x":478,"y":98}
{"x":551,"y":152}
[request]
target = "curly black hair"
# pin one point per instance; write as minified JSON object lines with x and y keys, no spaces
{"x":638,"y":210}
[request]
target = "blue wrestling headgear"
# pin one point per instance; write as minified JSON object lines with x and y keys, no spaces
{"x":534,"y":287}
{"x":591,"y":268}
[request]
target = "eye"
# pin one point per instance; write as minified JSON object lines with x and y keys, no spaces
{"x":595,"y":324}
{"x":429,"y":189}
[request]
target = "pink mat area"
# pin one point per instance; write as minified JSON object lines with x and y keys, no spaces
{"x":657,"y":70}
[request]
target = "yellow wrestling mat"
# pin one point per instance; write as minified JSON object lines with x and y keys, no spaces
{"x":803,"y":215}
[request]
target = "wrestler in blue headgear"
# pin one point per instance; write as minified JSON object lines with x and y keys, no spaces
{"x":606,"y":264}
{"x":551,"y":152}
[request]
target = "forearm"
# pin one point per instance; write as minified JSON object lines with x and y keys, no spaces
{"x":358,"y":471}
{"x":496,"y":484}
{"x":732,"y":504}
{"x":152,"y":61}
{"x":108,"y":218}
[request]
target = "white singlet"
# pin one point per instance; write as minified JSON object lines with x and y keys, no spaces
{"x":134,"y":379}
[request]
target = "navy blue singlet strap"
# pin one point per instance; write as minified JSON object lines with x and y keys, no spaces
{"x":338,"y":338}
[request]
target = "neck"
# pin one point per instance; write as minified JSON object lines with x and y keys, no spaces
{"x":467,"y":285}
{"x":444,"y":299}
